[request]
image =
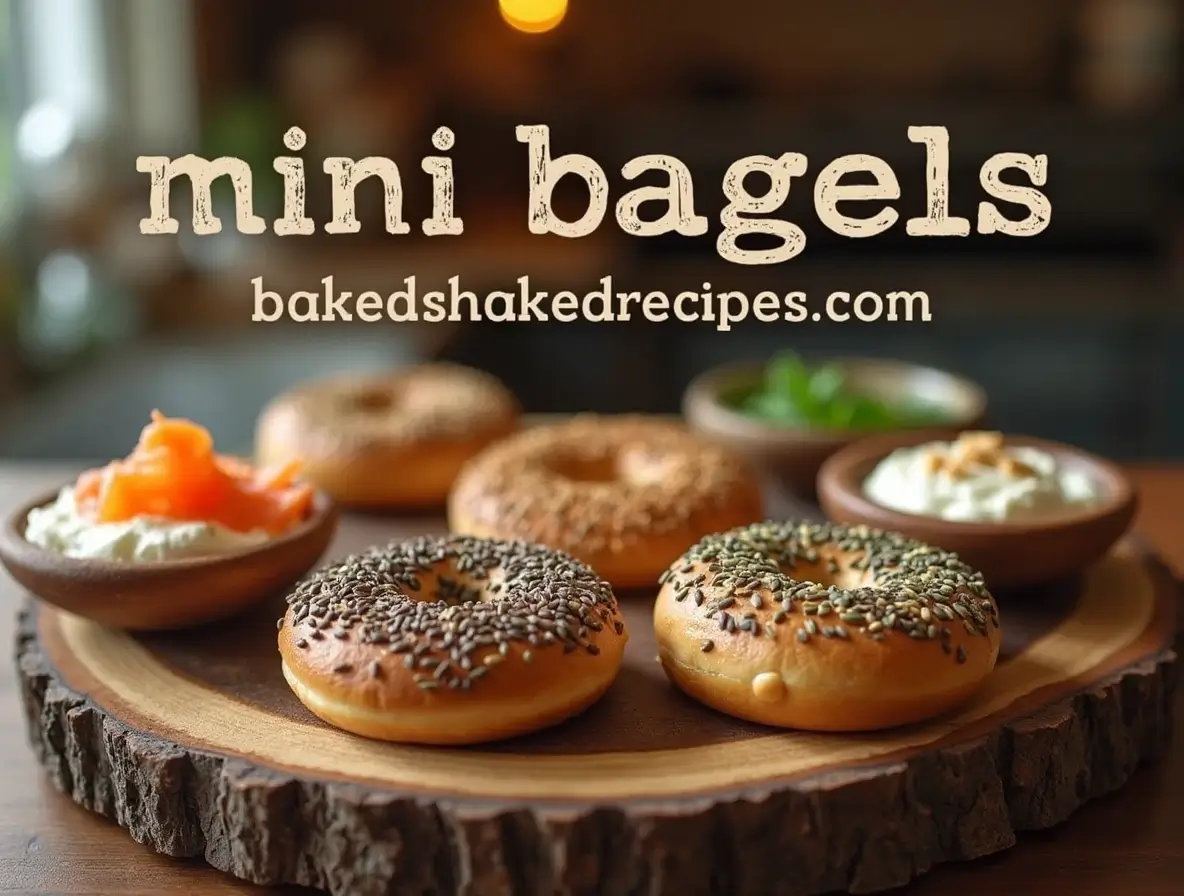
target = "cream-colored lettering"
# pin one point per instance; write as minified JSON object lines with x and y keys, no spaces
{"x":990,"y":219}
{"x":442,"y":222}
{"x":347,"y":174}
{"x":545,"y":173}
{"x":678,"y":193}
{"x":829,"y":192}
{"x":294,"y":222}
{"x":937,"y":221}
{"x":201,"y":173}
{"x":741,"y":204}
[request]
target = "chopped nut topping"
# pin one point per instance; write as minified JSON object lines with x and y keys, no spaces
{"x":975,"y":449}
{"x":1016,"y":468}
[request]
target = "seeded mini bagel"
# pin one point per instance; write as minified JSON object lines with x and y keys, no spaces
{"x":625,"y":494}
{"x":451,"y":640}
{"x":387,"y":441}
{"x":825,"y":627}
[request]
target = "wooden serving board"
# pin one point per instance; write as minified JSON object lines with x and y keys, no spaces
{"x":194,"y":743}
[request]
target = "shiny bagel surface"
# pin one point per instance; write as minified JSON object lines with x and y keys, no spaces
{"x":825,"y":627}
{"x":451,"y":640}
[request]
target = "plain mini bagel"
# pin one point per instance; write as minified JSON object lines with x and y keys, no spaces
{"x":825,"y":627}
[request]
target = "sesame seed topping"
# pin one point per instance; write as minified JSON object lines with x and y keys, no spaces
{"x":902,"y":587}
{"x":433,"y":600}
{"x":596,"y":484}
{"x":422,"y":402}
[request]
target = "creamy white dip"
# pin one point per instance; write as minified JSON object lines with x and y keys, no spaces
{"x":58,"y":527}
{"x":906,"y":481}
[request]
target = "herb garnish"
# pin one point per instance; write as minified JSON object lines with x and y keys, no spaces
{"x":796,"y":395}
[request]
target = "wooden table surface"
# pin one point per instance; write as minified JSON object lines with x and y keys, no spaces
{"x":1131,"y":842}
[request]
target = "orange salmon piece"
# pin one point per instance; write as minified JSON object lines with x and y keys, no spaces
{"x":174,"y":473}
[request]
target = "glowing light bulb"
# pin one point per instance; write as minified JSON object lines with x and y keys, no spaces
{"x":533,"y":16}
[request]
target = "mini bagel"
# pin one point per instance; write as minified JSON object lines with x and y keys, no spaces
{"x":389,"y":441}
{"x":825,"y":627}
{"x":625,"y":494}
{"x":451,"y":640}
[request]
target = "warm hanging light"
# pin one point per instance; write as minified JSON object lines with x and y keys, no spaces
{"x":533,"y":16}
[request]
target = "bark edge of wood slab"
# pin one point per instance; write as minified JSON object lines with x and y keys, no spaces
{"x":860,"y":826}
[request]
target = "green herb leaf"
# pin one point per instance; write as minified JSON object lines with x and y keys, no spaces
{"x":842,"y":413}
{"x":792,"y":394}
{"x":826,"y":384}
{"x":774,"y":407}
{"x":871,"y":414}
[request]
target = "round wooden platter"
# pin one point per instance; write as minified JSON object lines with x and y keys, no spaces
{"x":194,"y":743}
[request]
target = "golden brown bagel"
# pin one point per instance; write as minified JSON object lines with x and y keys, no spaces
{"x":625,"y":494}
{"x":825,"y":627}
{"x":451,"y":640}
{"x":387,"y":441}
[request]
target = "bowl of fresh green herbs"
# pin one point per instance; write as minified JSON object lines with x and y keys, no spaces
{"x":787,"y":415}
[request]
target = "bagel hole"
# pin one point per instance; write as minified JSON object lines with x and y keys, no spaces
{"x":585,"y":469}
{"x":374,"y":400}
{"x":635,"y":465}
{"x":846,"y":578}
{"x":451,"y":586}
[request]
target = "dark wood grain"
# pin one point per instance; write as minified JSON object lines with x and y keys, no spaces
{"x":45,"y":844}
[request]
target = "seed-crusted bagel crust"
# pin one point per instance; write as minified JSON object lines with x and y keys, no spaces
{"x":825,"y":627}
{"x":387,"y":441}
{"x":626,"y":494}
{"x":451,"y":640}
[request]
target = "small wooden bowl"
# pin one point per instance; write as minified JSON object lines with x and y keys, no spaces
{"x":1009,"y":555}
{"x":168,"y":594}
{"x":792,"y":456}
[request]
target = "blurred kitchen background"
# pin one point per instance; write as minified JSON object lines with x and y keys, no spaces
{"x":1077,"y":334}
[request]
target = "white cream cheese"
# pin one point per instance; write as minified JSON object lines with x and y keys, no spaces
{"x":58,"y":527}
{"x":1016,"y":484}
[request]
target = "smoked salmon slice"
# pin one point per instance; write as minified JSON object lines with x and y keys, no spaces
{"x":174,"y":473}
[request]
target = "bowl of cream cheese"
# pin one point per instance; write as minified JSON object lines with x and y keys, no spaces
{"x":150,"y":574}
{"x":173,"y":535}
{"x":1022,"y":510}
